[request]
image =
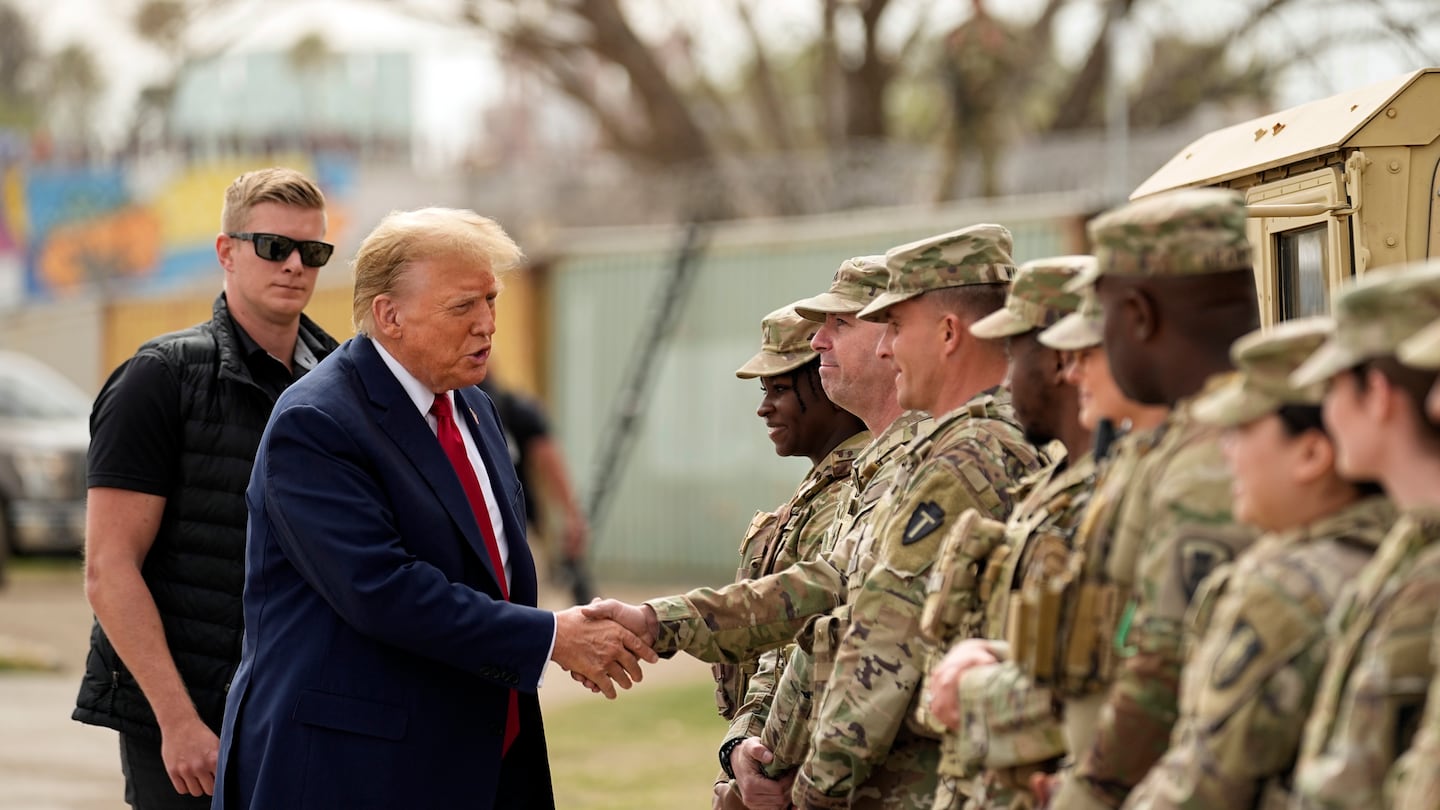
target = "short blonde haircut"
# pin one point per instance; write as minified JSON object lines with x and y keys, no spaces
{"x":405,"y":237}
{"x":276,"y":185}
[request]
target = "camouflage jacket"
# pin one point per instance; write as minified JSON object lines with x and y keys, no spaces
{"x":1037,"y":550}
{"x":1414,"y":781}
{"x":1081,"y":658}
{"x":740,"y":620}
{"x":1007,"y":721}
{"x":1372,"y":691}
{"x":776,"y":540}
{"x":862,"y":755}
{"x":1174,"y":529}
{"x":785,"y":727}
{"x":1251,"y":680}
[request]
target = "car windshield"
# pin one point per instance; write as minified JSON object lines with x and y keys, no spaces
{"x":31,"y":391}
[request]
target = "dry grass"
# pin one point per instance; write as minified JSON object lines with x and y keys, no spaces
{"x":649,"y":749}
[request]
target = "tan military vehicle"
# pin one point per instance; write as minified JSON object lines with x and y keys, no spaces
{"x":1335,"y":187}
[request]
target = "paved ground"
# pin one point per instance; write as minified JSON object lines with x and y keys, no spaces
{"x":48,"y":762}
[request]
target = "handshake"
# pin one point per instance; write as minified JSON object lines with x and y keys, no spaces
{"x":602,"y":644}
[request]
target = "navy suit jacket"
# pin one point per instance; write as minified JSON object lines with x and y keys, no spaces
{"x":378,"y":653}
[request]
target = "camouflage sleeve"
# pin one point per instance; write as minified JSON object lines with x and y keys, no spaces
{"x":1385,"y":695}
{"x":1246,"y":695}
{"x":1186,"y":531}
{"x":1414,"y":781}
{"x":750,"y":718}
{"x":880,"y":656}
{"x":806,"y":539}
{"x":740,"y":620}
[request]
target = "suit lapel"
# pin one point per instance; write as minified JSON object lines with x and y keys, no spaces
{"x":495,"y":453}
{"x":405,"y":425}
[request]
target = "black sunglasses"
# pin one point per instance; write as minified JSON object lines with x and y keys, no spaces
{"x":276,"y":248}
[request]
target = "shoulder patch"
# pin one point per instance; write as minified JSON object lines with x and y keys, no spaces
{"x":1198,"y":557}
{"x":926,"y":518}
{"x":1242,"y":648}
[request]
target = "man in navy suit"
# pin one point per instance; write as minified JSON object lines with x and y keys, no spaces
{"x":392,"y":645}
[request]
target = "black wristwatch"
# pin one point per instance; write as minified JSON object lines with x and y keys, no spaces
{"x":726,"y":748}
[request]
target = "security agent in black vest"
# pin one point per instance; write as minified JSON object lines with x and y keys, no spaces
{"x":173,"y":435}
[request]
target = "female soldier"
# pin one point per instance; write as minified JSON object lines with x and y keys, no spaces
{"x":802,"y":421}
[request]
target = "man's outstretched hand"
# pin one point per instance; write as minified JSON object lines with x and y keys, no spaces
{"x":601,"y":652}
{"x":638,"y":619}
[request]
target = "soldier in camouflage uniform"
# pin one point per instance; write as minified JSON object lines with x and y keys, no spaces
{"x":1373,"y":689}
{"x":1023,"y":733}
{"x":1000,"y":708}
{"x":862,"y":753}
{"x":1017,"y":704}
{"x":731,"y":623}
{"x":1415,"y":781}
{"x":802,"y":421}
{"x":1256,"y":632}
{"x":1174,"y":280}
{"x":765,"y":754}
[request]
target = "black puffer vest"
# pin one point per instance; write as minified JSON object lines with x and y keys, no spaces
{"x":196,"y":568}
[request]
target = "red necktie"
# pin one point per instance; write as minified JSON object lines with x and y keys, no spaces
{"x":454,"y":447}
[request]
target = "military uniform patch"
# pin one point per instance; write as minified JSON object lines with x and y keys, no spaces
{"x":926,"y":518}
{"x":1197,"y":559}
{"x":1243,"y":647}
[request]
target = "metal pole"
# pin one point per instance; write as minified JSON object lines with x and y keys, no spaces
{"x":1117,"y":116}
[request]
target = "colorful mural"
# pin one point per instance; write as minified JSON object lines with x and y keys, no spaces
{"x":124,"y":229}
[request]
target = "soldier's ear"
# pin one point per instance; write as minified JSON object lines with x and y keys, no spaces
{"x":1143,"y":315}
{"x":954,"y":332}
{"x":1057,"y":367}
{"x":1314,"y":459}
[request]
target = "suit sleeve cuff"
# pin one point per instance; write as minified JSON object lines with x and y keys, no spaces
{"x":554,"y":630}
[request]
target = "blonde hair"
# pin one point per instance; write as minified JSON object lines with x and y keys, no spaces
{"x":277,"y":185}
{"x":405,"y":237}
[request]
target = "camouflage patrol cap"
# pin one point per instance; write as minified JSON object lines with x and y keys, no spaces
{"x":784,"y":345}
{"x":1374,"y":316}
{"x":1037,"y":298}
{"x":1179,"y":233}
{"x":1264,"y":361}
{"x":1422,"y":350}
{"x":858,"y":282}
{"x":979,"y":254}
{"x":1082,"y":329}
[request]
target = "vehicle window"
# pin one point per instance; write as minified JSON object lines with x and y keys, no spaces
{"x":36,"y":394}
{"x":1301,"y":258}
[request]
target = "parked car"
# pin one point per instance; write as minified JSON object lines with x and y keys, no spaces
{"x":44,"y":433}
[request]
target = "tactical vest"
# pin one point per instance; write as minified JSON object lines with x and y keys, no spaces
{"x":1086,"y":600}
{"x":1009,"y":724}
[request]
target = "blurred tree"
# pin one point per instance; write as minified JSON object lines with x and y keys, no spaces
{"x":997,"y":77}
{"x":72,"y":87}
{"x":869,"y":72}
{"x":163,"y":24}
{"x":310,"y":57}
{"x":19,"y":60}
